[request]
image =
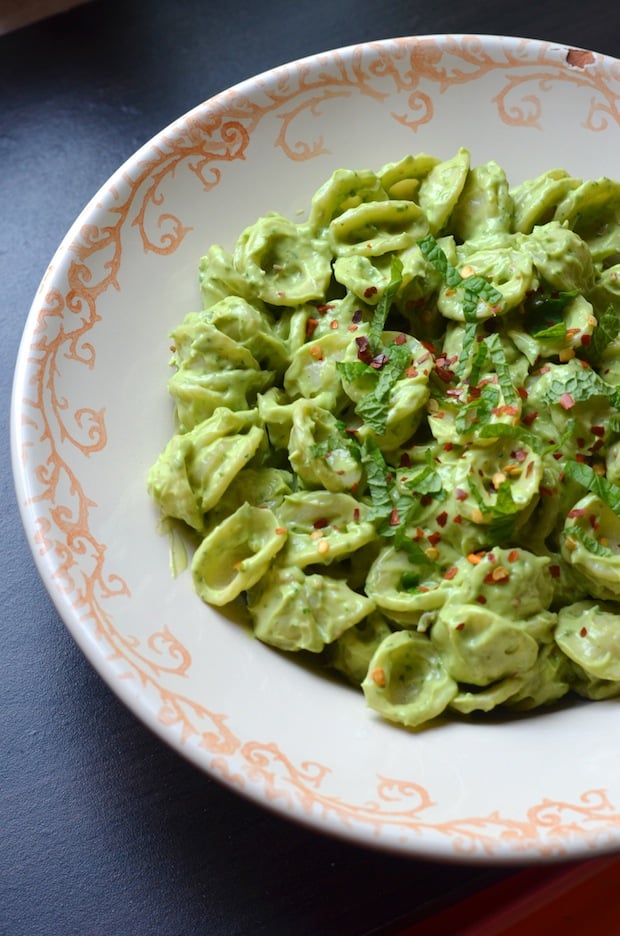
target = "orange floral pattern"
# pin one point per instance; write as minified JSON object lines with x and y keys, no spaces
{"x":57,"y":433}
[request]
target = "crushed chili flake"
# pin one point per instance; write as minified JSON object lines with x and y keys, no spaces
{"x":405,"y":460}
{"x":597,"y":445}
{"x":400,"y":339}
{"x":505,"y":410}
{"x":442,"y":518}
{"x":317,"y":352}
{"x":378,"y":676}
{"x":334,"y":324}
{"x":460,"y":626}
{"x":583,"y":632}
{"x":580,"y":457}
{"x":481,"y":599}
{"x":529,"y":418}
{"x":545,"y":490}
{"x":444,"y":373}
{"x":320,"y":523}
{"x":522,"y":393}
{"x":448,"y":446}
{"x":394,"y":518}
{"x":323,"y":308}
{"x":594,"y":523}
{"x":566,"y":401}
{"x":557,"y":455}
{"x":458,"y":519}
{"x":576,"y":512}
{"x":475,"y":558}
{"x":370,"y":291}
{"x":357,"y":316}
{"x":460,"y":494}
{"x":311,"y":324}
{"x":554,"y":571}
{"x":426,"y":499}
{"x":419,"y":534}
{"x":450,"y":573}
{"x":497,"y":576}
{"x":585,"y":340}
{"x":513,"y":555}
{"x":363,"y":349}
{"x":411,"y":372}
{"x":352,"y":328}
{"x":281,"y":531}
{"x":379,"y":361}
{"x":434,"y":538}
{"x":356,"y":515}
{"x":598,"y":431}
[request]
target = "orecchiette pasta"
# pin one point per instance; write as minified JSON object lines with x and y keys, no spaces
{"x":397,"y":435}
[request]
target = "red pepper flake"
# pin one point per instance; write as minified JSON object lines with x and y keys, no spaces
{"x":370,"y":291}
{"x":460,"y":494}
{"x":460,"y":626}
{"x":583,"y":632}
{"x":474,"y":393}
{"x":576,"y":512}
{"x":357,"y":316}
{"x":423,"y":358}
{"x":505,"y":410}
{"x":419,"y":534}
{"x":363,"y":349}
{"x":580,"y":457}
{"x":448,"y":447}
{"x":426,"y":499}
{"x":458,"y":519}
{"x":323,"y":308}
{"x":320,"y":523}
{"x":513,"y":555}
{"x":597,"y":445}
{"x":545,"y":490}
{"x":450,"y":573}
{"x":475,"y":558}
{"x":522,"y":393}
{"x":444,"y":373}
{"x":581,"y":442}
{"x":379,"y":361}
{"x":356,"y":515}
{"x":394,"y":518}
{"x":442,"y":518}
{"x":598,"y":431}
{"x":594,"y":522}
{"x":566,"y":401}
{"x":434,"y":538}
{"x":554,"y":571}
{"x":481,"y":599}
{"x":405,"y":460}
{"x":311,"y":324}
{"x":411,"y":372}
{"x":585,"y":340}
{"x":400,"y":339}
{"x":317,"y":352}
{"x":497,"y":576}
{"x":351,"y":430}
{"x":529,"y":418}
{"x":334,"y":324}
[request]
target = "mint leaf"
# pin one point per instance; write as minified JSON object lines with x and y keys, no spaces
{"x":592,"y":545}
{"x":502,"y":370}
{"x":606,"y":331}
{"x":374,"y":407}
{"x":377,"y":324}
{"x":474,"y":287}
{"x":606,"y":490}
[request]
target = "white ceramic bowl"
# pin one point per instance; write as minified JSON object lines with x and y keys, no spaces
{"x":91,"y":413}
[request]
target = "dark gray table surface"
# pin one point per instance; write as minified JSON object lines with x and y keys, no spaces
{"x":103,"y":829}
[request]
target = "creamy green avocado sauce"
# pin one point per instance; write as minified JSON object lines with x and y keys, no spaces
{"x":397,"y":436}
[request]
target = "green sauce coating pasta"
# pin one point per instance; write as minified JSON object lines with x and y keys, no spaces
{"x":397,"y":435}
